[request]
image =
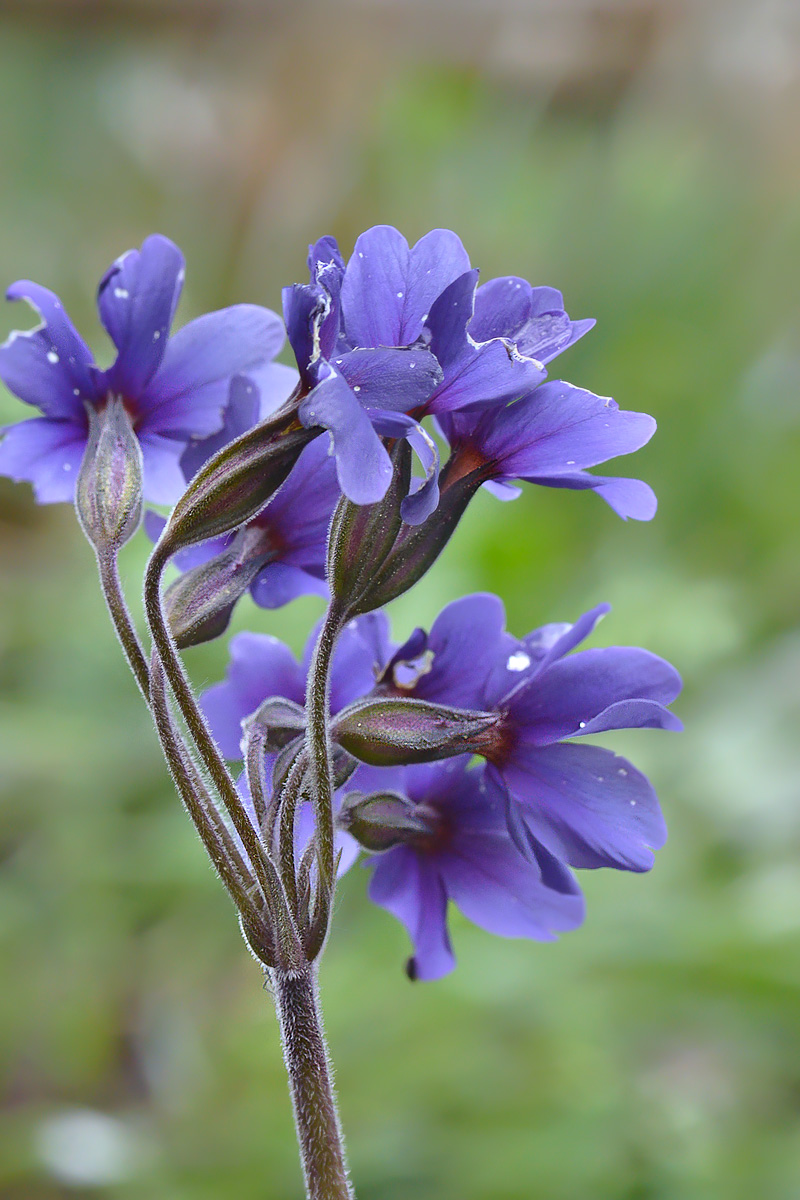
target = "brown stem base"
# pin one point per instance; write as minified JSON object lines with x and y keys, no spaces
{"x":318,"y":1130}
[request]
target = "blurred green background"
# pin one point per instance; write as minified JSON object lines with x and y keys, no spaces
{"x":642,"y":157}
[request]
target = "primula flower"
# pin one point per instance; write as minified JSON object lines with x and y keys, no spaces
{"x":262,"y":666}
{"x":463,"y":853}
{"x":549,"y":436}
{"x":174,"y":388}
{"x":400,"y":333}
{"x":289,"y":535}
{"x":589,"y":807}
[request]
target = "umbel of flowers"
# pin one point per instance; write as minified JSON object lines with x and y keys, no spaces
{"x":457,"y":760}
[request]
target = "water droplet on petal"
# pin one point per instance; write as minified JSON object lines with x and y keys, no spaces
{"x":581,"y":724}
{"x":76,"y":391}
{"x":52,"y":356}
{"x":357,"y":387}
{"x":156,"y":335}
{"x":622,"y":772}
{"x":121,"y":293}
{"x":67,"y":466}
{"x":399,"y":295}
{"x":633,"y":803}
{"x":570,"y":462}
{"x":518,"y":661}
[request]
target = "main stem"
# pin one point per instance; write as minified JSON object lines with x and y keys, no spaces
{"x":316,"y":1117}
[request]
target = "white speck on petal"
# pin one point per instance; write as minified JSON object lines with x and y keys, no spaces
{"x":67,"y":466}
{"x":518,"y":661}
{"x":360,"y":254}
{"x":52,"y":356}
{"x":399,"y":295}
{"x":570,"y":462}
{"x":357,"y":387}
{"x":121,"y":293}
{"x":581,"y":724}
{"x":622,"y":772}
{"x":76,"y":391}
{"x":156,"y":335}
{"x":411,"y":366}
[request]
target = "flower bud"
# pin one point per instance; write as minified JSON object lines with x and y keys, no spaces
{"x":278,"y":721}
{"x":108,"y":496}
{"x":362,"y":535}
{"x":394,"y":731}
{"x":416,"y":549}
{"x":237,"y":481}
{"x":200,"y":602}
{"x":385,"y":819}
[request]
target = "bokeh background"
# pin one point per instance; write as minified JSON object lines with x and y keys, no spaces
{"x":642,"y":156}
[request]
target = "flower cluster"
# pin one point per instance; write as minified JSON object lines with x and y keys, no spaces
{"x":498,"y":839}
{"x":458,"y":759}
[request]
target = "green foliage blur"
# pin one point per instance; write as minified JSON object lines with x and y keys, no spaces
{"x":652,"y":1055}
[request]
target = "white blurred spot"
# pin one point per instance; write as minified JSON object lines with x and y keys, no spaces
{"x":52,"y":356}
{"x":83,"y":1148}
{"x":121,"y":293}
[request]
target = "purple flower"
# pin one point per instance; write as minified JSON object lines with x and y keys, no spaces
{"x":587,"y":806}
{"x":400,"y":333}
{"x":289,"y":535}
{"x":174,"y":388}
{"x":549,"y":436}
{"x":463,"y":853}
{"x":262,"y":666}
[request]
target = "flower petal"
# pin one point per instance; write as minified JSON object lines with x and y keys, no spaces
{"x":501,"y":891}
{"x":486,"y":375}
{"x":164,"y":481}
{"x":49,"y":366}
{"x":241,"y":413}
{"x":410,"y":888}
{"x":260,"y":666}
{"x":362,"y":464}
{"x":422,"y":500}
{"x":464,"y":643}
{"x":398,"y":380}
{"x":280,"y":582}
{"x":47,"y":454}
{"x":137,"y":298}
{"x":557,"y":427}
{"x":589,"y":807}
{"x":189,"y":392}
{"x":562,"y":699}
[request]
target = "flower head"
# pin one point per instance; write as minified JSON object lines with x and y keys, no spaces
{"x":402,"y":332}
{"x":586,"y":805}
{"x":174,"y":388}
{"x":460,"y":850}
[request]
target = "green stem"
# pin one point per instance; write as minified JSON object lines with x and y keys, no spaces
{"x":316,"y":1116}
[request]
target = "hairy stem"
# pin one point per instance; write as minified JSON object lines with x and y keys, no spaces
{"x":316,"y":1117}
{"x":261,"y":860}
{"x":121,"y":618}
{"x":216,"y":839}
{"x":318,"y":743}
